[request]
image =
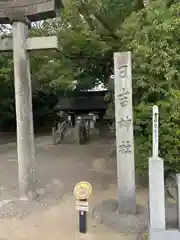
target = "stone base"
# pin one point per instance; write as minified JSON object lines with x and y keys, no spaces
{"x":107,"y":211}
{"x":165,"y":235}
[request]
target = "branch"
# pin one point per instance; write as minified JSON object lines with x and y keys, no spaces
{"x":88,"y":10}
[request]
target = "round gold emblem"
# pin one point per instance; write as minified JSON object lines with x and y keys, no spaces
{"x":82,"y":190}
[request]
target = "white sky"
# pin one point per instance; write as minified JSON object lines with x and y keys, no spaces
{"x":99,"y":87}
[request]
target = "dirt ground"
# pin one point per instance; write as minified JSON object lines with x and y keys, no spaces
{"x":59,"y":168}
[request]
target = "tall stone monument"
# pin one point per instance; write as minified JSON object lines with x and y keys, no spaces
{"x":124,"y":133}
{"x":20,"y":13}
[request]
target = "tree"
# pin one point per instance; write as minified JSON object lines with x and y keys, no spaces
{"x":153,"y":37}
{"x":88,"y":35}
{"x":7,"y":110}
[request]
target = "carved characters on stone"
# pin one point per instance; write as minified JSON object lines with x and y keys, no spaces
{"x":155,"y":131}
{"x":123,"y":71}
{"x":156,"y":126}
{"x":123,"y":74}
{"x":125,"y":147}
{"x":123,"y":97}
{"x":125,"y":122}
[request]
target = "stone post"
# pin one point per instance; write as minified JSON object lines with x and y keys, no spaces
{"x":156,"y":193}
{"x":156,"y":179}
{"x":124,"y":133}
{"x":178,"y":198}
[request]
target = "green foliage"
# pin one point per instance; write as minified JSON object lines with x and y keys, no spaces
{"x":152,"y":35}
{"x":169,"y":133}
{"x":7,"y":109}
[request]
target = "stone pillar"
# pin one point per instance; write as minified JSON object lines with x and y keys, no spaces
{"x":124,"y":133}
{"x":24,"y":116}
{"x":156,"y":193}
{"x":178,"y":198}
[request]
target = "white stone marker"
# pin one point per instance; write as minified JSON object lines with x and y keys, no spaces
{"x":156,"y":180}
{"x":155,"y":130}
{"x":156,"y":193}
{"x":178,"y":198}
{"x":124,"y":133}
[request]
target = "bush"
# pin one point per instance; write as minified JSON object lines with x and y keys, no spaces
{"x":169,"y":133}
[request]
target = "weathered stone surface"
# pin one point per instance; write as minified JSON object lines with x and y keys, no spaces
{"x":32,"y":44}
{"x":171,"y":186}
{"x":156,"y":193}
{"x":20,"y":13}
{"x":171,"y":215}
{"x":124,"y":133}
{"x":35,"y":10}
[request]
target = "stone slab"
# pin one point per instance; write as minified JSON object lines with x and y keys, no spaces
{"x":171,"y":215}
{"x":35,"y":10}
{"x":156,"y":193}
{"x":165,"y":235}
{"x":36,"y":43}
{"x":41,"y":43}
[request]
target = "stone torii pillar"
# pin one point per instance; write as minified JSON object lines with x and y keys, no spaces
{"x":20,"y":13}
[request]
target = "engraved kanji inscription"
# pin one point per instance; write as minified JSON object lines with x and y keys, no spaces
{"x":125,"y":147}
{"x":125,"y":122}
{"x":123,"y":71}
{"x":123,"y":97}
{"x":156,"y":126}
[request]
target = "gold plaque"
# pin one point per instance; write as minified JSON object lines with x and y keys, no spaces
{"x":82,"y":190}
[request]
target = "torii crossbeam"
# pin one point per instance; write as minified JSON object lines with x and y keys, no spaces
{"x":20,"y":13}
{"x":35,"y":10}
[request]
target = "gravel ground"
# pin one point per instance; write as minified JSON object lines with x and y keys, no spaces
{"x":53,"y":214}
{"x":59,"y":168}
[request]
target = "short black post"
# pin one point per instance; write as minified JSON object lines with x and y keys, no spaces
{"x":83,"y":221}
